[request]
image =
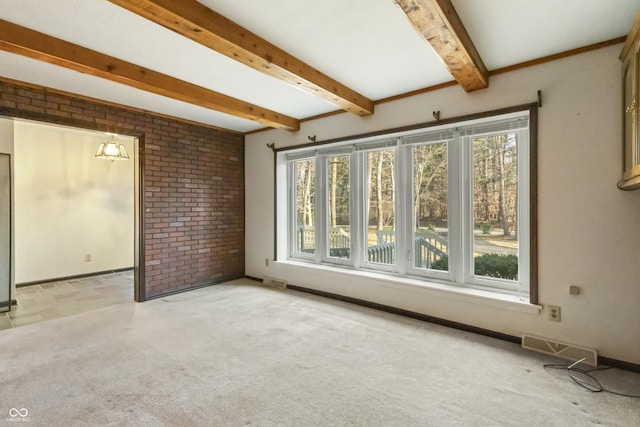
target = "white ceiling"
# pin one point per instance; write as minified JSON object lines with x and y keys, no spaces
{"x":368,"y":45}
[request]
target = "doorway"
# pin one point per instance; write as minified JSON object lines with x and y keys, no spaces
{"x":76,"y":218}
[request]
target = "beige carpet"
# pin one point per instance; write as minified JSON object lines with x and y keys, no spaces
{"x":242,"y":355}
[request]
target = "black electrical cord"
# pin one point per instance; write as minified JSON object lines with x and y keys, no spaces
{"x":586,"y":380}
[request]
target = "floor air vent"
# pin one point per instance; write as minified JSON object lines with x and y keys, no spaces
{"x":559,"y":349}
{"x":274,"y":283}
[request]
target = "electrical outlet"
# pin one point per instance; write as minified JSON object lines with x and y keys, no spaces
{"x":554,"y":313}
{"x":87,"y":258}
{"x":266,"y":262}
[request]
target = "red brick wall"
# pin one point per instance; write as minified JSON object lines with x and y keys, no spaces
{"x":193,"y":184}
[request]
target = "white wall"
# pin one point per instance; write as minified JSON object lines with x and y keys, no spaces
{"x":69,"y":204}
{"x":589,"y":234}
{"x":6,"y":147}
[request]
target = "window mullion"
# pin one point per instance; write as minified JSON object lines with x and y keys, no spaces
{"x":404,"y":196}
{"x":321,"y":208}
{"x":456,"y":178}
{"x":291,"y":197}
{"x":524,"y":217}
{"x":358,"y":210}
{"x":467,"y":226}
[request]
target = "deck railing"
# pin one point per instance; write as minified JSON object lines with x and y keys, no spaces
{"x":383,"y":254}
{"x":306,"y":239}
{"x":338,"y":238}
{"x":429,"y":247}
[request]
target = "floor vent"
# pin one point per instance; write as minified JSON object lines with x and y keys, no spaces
{"x":274,"y":283}
{"x":559,"y":349}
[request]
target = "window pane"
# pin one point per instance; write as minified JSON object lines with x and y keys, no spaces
{"x":305,"y":206}
{"x":495,"y":201}
{"x":338,"y":194}
{"x":381,"y":246}
{"x":431,"y":229}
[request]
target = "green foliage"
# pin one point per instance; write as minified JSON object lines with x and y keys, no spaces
{"x":494,"y":265}
{"x":485,"y":227}
{"x":488,"y":265}
{"x":441,"y":264}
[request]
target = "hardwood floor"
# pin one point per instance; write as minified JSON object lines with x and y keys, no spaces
{"x":47,"y":301}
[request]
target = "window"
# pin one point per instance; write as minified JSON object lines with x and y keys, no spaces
{"x":338,"y":208}
{"x":380,"y":206}
{"x":304,"y":206}
{"x":495,"y":213}
{"x":430,"y":224}
{"x":449,"y":203}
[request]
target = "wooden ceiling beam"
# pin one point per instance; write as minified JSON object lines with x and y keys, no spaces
{"x":438,"y":22}
{"x":195,"y":21}
{"x":30,"y":43}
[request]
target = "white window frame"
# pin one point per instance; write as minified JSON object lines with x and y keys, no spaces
{"x":460,"y":203}
{"x":292,"y":207}
{"x":363,"y":219}
{"x":447,"y":276}
{"x":522,"y":284}
{"x":323,"y":206}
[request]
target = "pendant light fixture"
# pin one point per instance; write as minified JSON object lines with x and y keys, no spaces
{"x":112,"y":151}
